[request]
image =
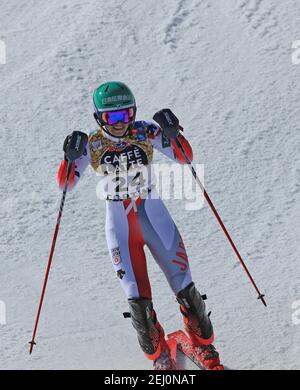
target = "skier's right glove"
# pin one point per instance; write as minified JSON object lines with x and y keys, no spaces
{"x":66,"y":142}
{"x":74,"y":145}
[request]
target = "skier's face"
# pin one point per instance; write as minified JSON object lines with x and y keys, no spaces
{"x":118,"y":129}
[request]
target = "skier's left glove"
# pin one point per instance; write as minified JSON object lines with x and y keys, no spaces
{"x":168,"y":123}
{"x":170,"y":128}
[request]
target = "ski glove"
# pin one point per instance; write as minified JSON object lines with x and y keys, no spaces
{"x":66,"y":142}
{"x":168,"y":123}
{"x":74,"y":145}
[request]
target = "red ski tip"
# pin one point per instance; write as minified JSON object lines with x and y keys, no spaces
{"x":220,"y":367}
{"x":185,"y":345}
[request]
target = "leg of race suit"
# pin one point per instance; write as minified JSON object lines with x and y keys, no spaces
{"x":165,"y":243}
{"x":196,"y":321}
{"x":125,"y":242}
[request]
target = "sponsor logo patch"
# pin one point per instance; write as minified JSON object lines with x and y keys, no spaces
{"x":116,"y":256}
{"x":115,"y":99}
{"x":118,"y":146}
{"x":121,"y":274}
{"x":96,"y":145}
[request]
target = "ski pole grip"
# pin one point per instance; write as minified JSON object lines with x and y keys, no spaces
{"x":76,"y":145}
{"x":168,"y":122}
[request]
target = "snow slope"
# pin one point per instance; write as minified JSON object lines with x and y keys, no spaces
{"x":225,"y":68}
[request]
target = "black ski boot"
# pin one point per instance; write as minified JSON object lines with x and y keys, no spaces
{"x":150,"y":334}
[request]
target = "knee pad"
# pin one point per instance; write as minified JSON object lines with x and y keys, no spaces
{"x":148,"y":329}
{"x":196,"y":320}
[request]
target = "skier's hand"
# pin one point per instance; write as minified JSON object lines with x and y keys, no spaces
{"x":168,"y":122}
{"x":75,"y":145}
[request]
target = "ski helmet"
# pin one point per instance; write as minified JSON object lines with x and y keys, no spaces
{"x":114,"y":96}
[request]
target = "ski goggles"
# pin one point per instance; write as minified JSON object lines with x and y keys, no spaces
{"x":113,"y":117}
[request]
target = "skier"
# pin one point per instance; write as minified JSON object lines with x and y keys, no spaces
{"x":120,"y":150}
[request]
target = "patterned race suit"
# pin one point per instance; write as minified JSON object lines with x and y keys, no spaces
{"x":136,"y":217}
{"x":136,"y":221}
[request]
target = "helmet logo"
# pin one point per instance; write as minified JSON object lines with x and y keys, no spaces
{"x":115,"y":99}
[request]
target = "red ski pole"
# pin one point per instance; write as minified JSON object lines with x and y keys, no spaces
{"x":260,"y":295}
{"x":32,"y":342}
{"x":73,"y":148}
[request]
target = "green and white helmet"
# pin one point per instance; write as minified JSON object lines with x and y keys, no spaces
{"x":113,"y":96}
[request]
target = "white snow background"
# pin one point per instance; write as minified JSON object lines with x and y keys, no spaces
{"x":225,"y":68}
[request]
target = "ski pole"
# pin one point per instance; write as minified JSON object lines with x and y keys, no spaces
{"x":32,"y":342}
{"x":260,"y":295}
{"x":75,"y":148}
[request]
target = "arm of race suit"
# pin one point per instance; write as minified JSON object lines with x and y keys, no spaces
{"x":78,"y":168}
{"x":62,"y":175}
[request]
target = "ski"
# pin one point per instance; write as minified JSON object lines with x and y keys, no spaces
{"x":184,"y":344}
{"x":167,"y":358}
{"x":172,"y":343}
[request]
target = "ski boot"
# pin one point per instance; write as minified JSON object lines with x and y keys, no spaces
{"x":150,"y":334}
{"x":198,"y":327}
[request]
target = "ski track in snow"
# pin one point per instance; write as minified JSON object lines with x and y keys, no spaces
{"x":261,"y":16}
{"x":225,"y":69}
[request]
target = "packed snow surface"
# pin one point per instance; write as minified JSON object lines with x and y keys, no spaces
{"x":226,"y":69}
